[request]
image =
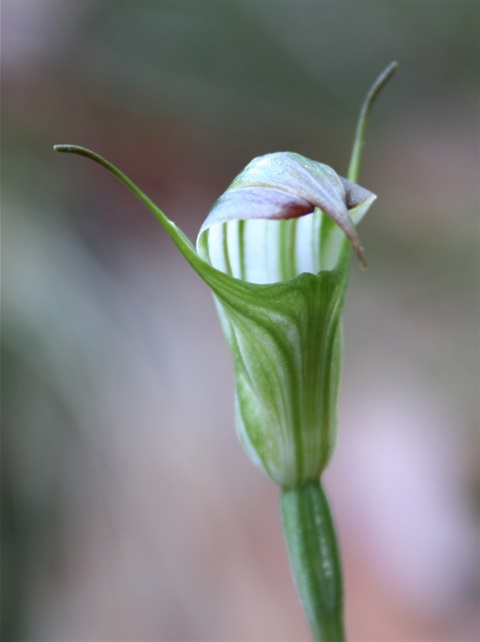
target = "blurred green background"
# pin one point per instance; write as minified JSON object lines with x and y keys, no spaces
{"x":129,"y":509}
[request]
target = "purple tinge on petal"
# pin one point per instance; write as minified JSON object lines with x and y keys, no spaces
{"x":257,"y":202}
{"x":284,"y":185}
{"x":354,"y":194}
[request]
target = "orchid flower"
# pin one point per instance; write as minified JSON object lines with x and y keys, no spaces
{"x":275,"y":251}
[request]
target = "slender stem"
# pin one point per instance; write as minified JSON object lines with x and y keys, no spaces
{"x":314,"y":559}
{"x":375,"y":89}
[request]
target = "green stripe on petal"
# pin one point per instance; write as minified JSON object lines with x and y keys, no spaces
{"x":285,"y":340}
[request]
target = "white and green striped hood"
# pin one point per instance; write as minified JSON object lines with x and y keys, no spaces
{"x":280,"y":234}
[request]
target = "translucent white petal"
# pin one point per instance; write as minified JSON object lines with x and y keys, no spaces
{"x":269,"y":251}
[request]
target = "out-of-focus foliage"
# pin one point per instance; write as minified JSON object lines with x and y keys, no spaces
{"x":128,"y":509}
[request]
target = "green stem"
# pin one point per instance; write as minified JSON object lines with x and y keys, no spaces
{"x":314,"y":559}
{"x":370,"y":98}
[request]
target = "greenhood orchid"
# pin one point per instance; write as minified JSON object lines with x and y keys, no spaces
{"x":275,"y":251}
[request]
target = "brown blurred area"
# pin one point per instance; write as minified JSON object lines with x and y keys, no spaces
{"x":129,"y":509}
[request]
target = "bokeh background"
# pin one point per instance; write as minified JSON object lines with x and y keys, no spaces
{"x":129,"y":509}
